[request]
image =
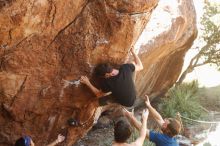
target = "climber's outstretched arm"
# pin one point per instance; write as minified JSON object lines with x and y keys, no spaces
{"x":97,"y":92}
{"x":137,"y":62}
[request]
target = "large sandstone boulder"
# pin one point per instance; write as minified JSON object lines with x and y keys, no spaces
{"x":44,"y":42}
{"x":163,"y":44}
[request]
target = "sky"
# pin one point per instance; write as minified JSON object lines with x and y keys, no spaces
{"x":207,"y":76}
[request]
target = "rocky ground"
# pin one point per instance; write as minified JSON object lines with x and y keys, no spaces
{"x":97,"y":137}
{"x":102,"y":134}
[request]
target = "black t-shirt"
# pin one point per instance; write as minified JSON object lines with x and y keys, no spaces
{"x":122,"y":85}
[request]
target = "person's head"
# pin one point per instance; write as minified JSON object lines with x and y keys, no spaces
{"x":103,"y":70}
{"x":24,"y":141}
{"x":171,"y":127}
{"x":122,"y":131}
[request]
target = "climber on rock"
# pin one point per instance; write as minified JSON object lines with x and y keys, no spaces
{"x":122,"y":132}
{"x":27,"y":141}
{"x":118,"y":82}
{"x":170,"y":127}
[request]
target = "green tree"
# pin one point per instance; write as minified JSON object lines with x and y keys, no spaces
{"x":209,"y":53}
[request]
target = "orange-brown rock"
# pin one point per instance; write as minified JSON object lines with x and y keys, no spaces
{"x":44,"y":42}
{"x":163,"y":44}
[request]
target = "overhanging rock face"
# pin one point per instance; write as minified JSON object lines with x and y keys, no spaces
{"x":163,"y":44}
{"x":45,"y":42}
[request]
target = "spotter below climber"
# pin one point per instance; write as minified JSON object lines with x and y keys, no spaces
{"x":170,"y":127}
{"x":122,"y":132}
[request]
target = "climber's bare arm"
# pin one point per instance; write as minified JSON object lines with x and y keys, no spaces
{"x":137,"y":62}
{"x":98,"y":93}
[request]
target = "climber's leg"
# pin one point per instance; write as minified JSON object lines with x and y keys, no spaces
{"x":102,"y":109}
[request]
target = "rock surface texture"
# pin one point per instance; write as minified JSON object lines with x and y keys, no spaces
{"x":44,"y":42}
{"x":163,"y":44}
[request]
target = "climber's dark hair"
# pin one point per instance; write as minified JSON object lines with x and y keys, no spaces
{"x":122,"y":131}
{"x":20,"y":142}
{"x":102,"y":69}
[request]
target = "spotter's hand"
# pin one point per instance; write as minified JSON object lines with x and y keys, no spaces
{"x":145,"y":114}
{"x":147,"y":101}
